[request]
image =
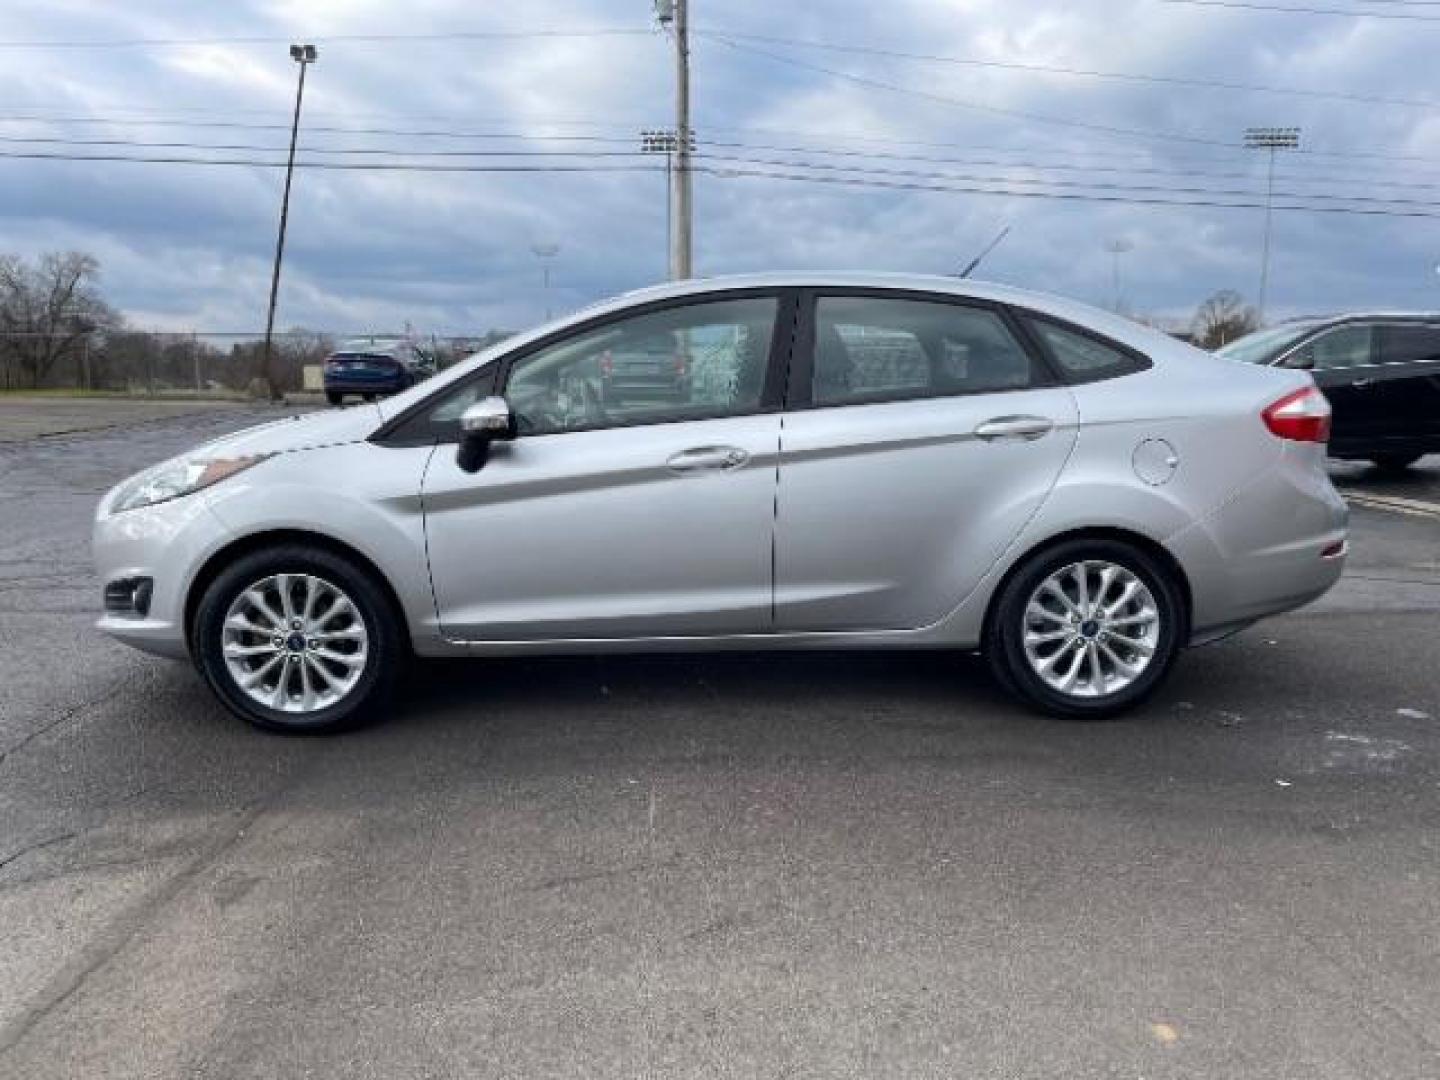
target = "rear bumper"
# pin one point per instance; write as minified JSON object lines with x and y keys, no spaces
{"x":362,"y":384}
{"x":1277,"y":544}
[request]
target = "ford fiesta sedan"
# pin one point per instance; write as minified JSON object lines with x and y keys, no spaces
{"x":853,"y":462}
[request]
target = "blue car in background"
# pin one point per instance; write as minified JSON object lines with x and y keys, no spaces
{"x":373,"y":366}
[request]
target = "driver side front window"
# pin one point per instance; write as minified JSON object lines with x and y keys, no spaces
{"x":685,"y":363}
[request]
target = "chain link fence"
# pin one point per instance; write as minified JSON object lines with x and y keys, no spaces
{"x":193,"y":362}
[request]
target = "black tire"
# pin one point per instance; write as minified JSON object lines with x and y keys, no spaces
{"x":368,"y":397}
{"x":1395,"y":463}
{"x":385,"y":651}
{"x":1004,"y":647}
{"x":334,"y":397}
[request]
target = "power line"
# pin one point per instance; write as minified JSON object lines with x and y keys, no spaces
{"x":1107,"y":129}
{"x":876,"y":84}
{"x":453,"y":35}
{"x":1110,"y":152}
{"x":891,"y":180}
{"x":1256,"y":5}
{"x":1061,"y":196}
{"x":239,"y":125}
{"x":411,"y":153}
{"x":1092,"y":73}
{"x":1061,"y":166}
{"x":356,"y":150}
{"x":1083,"y":184}
{"x":345,"y":166}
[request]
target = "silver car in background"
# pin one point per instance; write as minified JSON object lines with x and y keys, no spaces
{"x":854,"y":461}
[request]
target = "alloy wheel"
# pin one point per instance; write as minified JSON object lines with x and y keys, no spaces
{"x":295,"y":643}
{"x":1091,"y":629}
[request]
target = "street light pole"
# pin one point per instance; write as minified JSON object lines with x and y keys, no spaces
{"x":545,"y":252}
{"x":304,"y":55}
{"x":1117,"y":247}
{"x":1270,"y":139}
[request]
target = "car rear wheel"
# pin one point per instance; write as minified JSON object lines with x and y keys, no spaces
{"x":334,"y":397}
{"x":297,"y":639}
{"x":1394,"y":463}
{"x":1086,"y":629}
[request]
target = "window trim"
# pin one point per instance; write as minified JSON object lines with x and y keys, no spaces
{"x":800,"y":384}
{"x":498,"y":370}
{"x":1138,"y":361}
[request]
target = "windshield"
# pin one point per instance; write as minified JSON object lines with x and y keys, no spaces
{"x":1264,"y":345}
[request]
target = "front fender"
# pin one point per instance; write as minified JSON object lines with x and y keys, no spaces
{"x":364,"y":496}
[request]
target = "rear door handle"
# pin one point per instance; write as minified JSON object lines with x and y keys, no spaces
{"x":1363,"y":384}
{"x":707,"y":459}
{"x":1023,"y":428}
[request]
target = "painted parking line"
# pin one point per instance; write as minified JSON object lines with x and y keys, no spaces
{"x":1394,"y":504}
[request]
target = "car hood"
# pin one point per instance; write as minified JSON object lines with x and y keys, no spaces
{"x":329,"y":427}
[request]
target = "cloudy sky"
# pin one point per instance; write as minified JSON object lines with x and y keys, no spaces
{"x":851,"y":139}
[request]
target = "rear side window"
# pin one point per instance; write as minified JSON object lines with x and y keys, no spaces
{"x":874,"y":348}
{"x":1409,"y":344}
{"x":1081,"y":357}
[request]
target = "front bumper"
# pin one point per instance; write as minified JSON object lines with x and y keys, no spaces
{"x":166,"y":545}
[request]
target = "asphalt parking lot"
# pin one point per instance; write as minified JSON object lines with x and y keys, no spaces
{"x":808,"y":866}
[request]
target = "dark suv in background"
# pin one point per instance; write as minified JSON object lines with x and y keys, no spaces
{"x":1381,"y":373}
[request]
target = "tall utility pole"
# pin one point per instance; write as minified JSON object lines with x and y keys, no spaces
{"x":675,"y":15}
{"x":304,"y":55}
{"x":1271,"y":139}
{"x":1117,"y":247}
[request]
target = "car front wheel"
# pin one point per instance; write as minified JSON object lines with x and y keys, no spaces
{"x":1086,"y":629}
{"x":297,"y":639}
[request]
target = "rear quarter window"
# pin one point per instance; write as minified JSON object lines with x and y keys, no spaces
{"x":1080,"y":356}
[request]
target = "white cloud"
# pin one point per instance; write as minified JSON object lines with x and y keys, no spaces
{"x":188,"y":245}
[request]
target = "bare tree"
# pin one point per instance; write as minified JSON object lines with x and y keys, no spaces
{"x":1222,"y":318}
{"x":47,"y":308}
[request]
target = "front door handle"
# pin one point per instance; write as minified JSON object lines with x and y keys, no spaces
{"x":707,"y":459}
{"x":1023,"y":428}
{"x":1363,"y":384}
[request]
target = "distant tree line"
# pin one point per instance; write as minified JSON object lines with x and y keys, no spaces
{"x":56,"y":330}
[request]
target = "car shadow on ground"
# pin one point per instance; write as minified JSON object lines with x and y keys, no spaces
{"x":1421,"y":480}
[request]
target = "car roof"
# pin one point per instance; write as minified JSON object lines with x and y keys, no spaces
{"x":1352,"y":316}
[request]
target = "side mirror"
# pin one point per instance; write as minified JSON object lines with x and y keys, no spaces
{"x":481,"y":424}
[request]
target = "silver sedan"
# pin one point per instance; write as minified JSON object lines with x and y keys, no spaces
{"x":846,"y":461}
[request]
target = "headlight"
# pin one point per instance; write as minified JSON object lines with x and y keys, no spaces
{"x":177,"y":477}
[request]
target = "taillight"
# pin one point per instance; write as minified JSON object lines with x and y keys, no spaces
{"x":681,"y":364}
{"x":607,"y":364}
{"x":1303,"y":416}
